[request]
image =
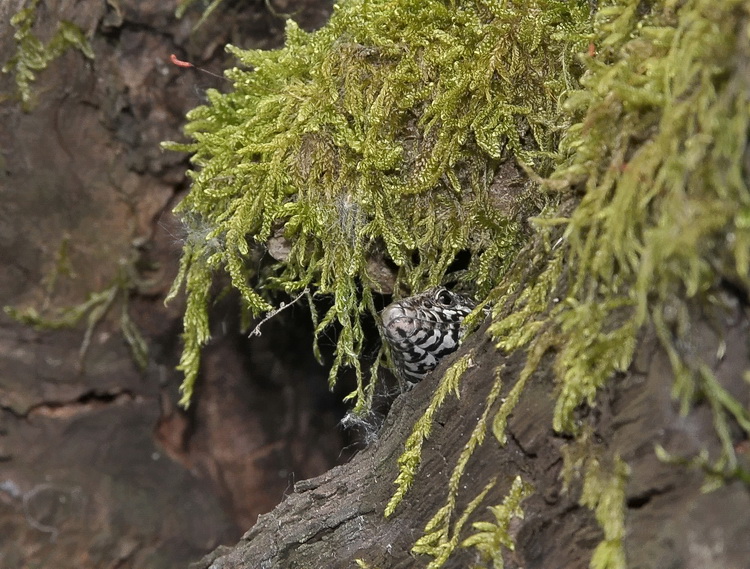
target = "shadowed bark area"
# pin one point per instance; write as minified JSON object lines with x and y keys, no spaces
{"x":337,"y":518}
{"x":98,"y":466}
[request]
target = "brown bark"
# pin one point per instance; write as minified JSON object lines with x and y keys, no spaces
{"x":337,"y":518}
{"x":98,"y":467}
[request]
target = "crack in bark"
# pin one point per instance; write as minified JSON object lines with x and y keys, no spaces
{"x":87,"y":401}
{"x":526,"y":452}
{"x":642,"y":499}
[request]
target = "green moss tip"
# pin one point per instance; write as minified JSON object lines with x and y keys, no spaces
{"x":32,"y":55}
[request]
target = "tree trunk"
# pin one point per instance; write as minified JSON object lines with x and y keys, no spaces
{"x":98,"y":465}
{"x":98,"y":468}
{"x":337,"y":518}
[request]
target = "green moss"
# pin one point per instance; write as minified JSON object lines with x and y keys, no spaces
{"x":380,"y":134}
{"x":439,"y":539}
{"x":658,"y":152}
{"x":92,"y":311}
{"x":657,"y":157}
{"x":32,"y":55}
{"x":716,"y":474}
{"x":491,"y":538}
{"x":184,"y":5}
{"x":604,"y":481}
{"x":410,"y":459}
{"x":604,"y":493}
{"x":441,"y":545}
{"x":438,"y":525}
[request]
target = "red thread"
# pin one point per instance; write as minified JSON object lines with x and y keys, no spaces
{"x":179,"y":62}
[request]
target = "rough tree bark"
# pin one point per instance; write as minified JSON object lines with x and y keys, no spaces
{"x":85,"y":163}
{"x":335,"y":519}
{"x":98,"y":466}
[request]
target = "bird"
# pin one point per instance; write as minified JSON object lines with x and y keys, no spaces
{"x":422,"y":329}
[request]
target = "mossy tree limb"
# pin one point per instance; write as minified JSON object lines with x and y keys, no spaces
{"x":380,"y":134}
{"x":653,"y":160}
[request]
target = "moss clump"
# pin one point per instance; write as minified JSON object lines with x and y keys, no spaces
{"x":377,"y":136}
{"x":381,"y":134}
{"x":32,"y":55}
{"x":657,"y":156}
{"x":659,"y":153}
{"x":654,"y":174}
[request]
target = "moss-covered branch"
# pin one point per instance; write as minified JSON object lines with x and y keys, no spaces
{"x":659,"y":153}
{"x":378,"y":135}
{"x":382,"y":135}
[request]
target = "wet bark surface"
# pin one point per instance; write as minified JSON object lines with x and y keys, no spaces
{"x":98,"y":466}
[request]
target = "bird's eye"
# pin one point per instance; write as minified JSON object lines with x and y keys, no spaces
{"x":444,"y":297}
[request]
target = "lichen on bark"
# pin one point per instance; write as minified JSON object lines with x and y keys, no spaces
{"x":33,"y":55}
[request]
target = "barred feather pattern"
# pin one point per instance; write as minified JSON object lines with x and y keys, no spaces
{"x":423,"y":329}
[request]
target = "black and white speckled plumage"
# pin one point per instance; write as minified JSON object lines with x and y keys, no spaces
{"x":424,"y":328}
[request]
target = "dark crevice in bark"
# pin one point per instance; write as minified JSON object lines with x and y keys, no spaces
{"x":639,"y":501}
{"x":526,"y":451}
{"x":85,"y":402}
